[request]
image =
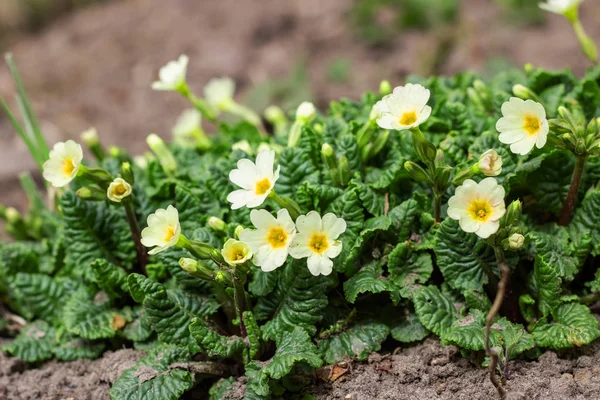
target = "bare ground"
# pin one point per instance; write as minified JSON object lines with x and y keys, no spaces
{"x":427,"y":371}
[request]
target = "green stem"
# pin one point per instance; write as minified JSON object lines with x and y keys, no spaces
{"x":142,"y":256}
{"x":489,"y":320}
{"x":437,"y":208}
{"x":244,"y":113}
{"x":587,"y":44}
{"x":287,"y":203}
{"x":201,"y":105}
{"x":567,"y":210}
{"x":239,"y":294}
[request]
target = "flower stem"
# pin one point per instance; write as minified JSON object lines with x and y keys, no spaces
{"x":489,"y":320}
{"x":565,"y":214}
{"x":587,"y":44}
{"x":239,"y":294}
{"x":140,"y":250}
{"x":437,"y":207}
{"x":289,"y":204}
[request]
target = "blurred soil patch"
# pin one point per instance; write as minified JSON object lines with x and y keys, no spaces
{"x":94,"y":67}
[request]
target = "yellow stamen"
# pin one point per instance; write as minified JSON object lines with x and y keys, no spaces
{"x":68,"y":166}
{"x":532,"y":124}
{"x":170,"y":233}
{"x":318,"y":242}
{"x":237,"y":254}
{"x":120,"y":190}
{"x":480,"y":210}
{"x":277,"y":237}
{"x":408,"y":118}
{"x":262,"y":186}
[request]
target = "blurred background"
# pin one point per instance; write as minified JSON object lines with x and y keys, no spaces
{"x":91,"y":62}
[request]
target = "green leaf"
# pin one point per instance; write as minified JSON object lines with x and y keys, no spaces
{"x":95,"y":231}
{"x":573,"y":325}
{"x":513,"y":337}
{"x":408,"y":329}
{"x":39,"y":295}
{"x":347,"y":146}
{"x":296,"y":168}
{"x":138,"y":330}
{"x":370,"y":279}
{"x":403,"y":217}
{"x":292,"y":348}
{"x":34,"y":343}
{"x":214,"y":344}
{"x":110,"y":278}
{"x":152,"y":378}
{"x":297,"y":301}
{"x":371,"y":200}
{"x":91,"y":317}
{"x":357,"y":341}
{"x":550,"y":183}
{"x":462,"y":257}
{"x":222,"y":389}
{"x":74,"y":348}
{"x":262,"y":283}
{"x":350,"y":209}
{"x":548,"y":284}
{"x":253,"y":334}
{"x":468,"y":332}
{"x":435,"y":310}
{"x":586,"y":219}
{"x":553,"y":247}
{"x":408,"y":269}
{"x":372,"y":227}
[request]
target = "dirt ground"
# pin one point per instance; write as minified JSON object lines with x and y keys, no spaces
{"x":94,"y":67}
{"x":427,"y":371}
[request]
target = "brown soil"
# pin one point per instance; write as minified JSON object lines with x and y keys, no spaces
{"x":427,"y":371}
{"x":78,"y":380}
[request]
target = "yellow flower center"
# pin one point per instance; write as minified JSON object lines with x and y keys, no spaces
{"x":277,"y":237}
{"x":480,"y":210}
{"x":68,"y":166}
{"x":170,"y":233}
{"x":532,"y":124}
{"x":120,"y":189}
{"x":237,"y":254}
{"x":318,"y":242}
{"x":262,"y":186}
{"x":408,"y":118}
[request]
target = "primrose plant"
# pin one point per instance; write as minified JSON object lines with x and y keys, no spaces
{"x":451,"y":207}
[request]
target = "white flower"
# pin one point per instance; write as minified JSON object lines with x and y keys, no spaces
{"x":515,"y":241}
{"x":219,"y":91}
{"x":63,"y":164}
{"x":559,"y":6}
{"x":306,"y":112}
{"x":235,"y":252}
{"x":90,"y":137}
{"x":271,"y":239}
{"x":172,"y":75}
{"x":523,"y":125}
{"x":478,"y":207}
{"x":317,"y":239}
{"x":256,"y":180}
{"x":404,"y":108}
{"x":118,"y":190}
{"x":187,"y":126}
{"x":163,"y":230}
{"x":490,"y":163}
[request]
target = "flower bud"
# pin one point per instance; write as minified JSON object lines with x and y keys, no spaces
{"x":244,"y":146}
{"x":164,"y":155}
{"x":127,"y":172}
{"x":237,"y":231}
{"x":385,"y":88}
{"x":515,"y":241}
{"x":141,"y":161}
{"x":12,"y":215}
{"x":196,"y":269}
{"x":328,"y":155}
{"x":490,"y":163}
{"x":343,"y":171}
{"x":275,"y":115}
{"x":523,"y":92}
{"x":217,"y":224}
{"x":224,"y":278}
{"x":423,"y":147}
{"x":513,"y":213}
{"x":90,"y":137}
{"x":416,"y":172}
{"x":118,"y":190}
{"x":99,"y":175}
{"x":92,"y":193}
{"x":306,"y":112}
{"x":462,"y":175}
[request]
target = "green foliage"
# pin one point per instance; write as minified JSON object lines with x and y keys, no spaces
{"x":74,"y":276}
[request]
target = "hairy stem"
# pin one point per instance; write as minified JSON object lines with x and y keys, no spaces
{"x":239,"y":293}
{"x":567,"y":210}
{"x":489,"y":320}
{"x":142,"y":256}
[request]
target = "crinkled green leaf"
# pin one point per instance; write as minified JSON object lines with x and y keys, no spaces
{"x":214,"y":344}
{"x":152,"y":378}
{"x":573,"y":325}
{"x":370,"y":279}
{"x":262,"y":283}
{"x":74,"y":348}
{"x":296,"y":168}
{"x":467,"y":332}
{"x":221,"y":389}
{"x":403,"y":217}
{"x":357,"y":341}
{"x":548,"y":284}
{"x":462,"y":257}
{"x":39,"y":295}
{"x":91,"y":317}
{"x":586,"y":220}
{"x":408,"y":329}
{"x":296,"y":346}
{"x":110,"y":278}
{"x":408,"y":269}
{"x":513,"y":337}
{"x":35,"y":342}
{"x":372,"y":227}
{"x":297,"y":301}
{"x":253,"y":334}
{"x":435,"y":310}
